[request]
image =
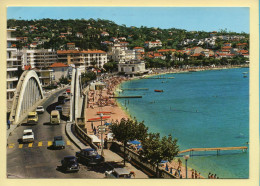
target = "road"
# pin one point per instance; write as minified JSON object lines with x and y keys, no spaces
{"x":37,"y":160}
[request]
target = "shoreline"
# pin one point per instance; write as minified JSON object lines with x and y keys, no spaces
{"x":120,"y":112}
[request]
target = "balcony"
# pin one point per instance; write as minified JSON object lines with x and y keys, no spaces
{"x":9,"y":69}
{"x":11,"y":49}
{"x":11,"y":39}
{"x":11,"y":59}
{"x":12,"y":79}
{"x":44,"y":77}
{"x":11,"y":90}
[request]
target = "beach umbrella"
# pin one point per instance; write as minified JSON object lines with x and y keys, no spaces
{"x":139,"y":147}
{"x":135,"y":142}
{"x":107,"y":124}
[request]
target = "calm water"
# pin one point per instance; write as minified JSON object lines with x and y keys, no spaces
{"x":201,"y":109}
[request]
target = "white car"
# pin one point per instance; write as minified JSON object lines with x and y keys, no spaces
{"x":40,"y":109}
{"x":28,"y":136}
{"x":118,"y":173}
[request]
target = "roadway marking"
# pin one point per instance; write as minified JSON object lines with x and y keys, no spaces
{"x":40,"y":144}
{"x":49,"y":143}
{"x":68,"y":142}
{"x":30,"y":145}
{"x":20,"y":146}
{"x":11,"y":145}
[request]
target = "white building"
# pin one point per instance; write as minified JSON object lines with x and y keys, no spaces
{"x":132,"y":67}
{"x":12,"y":62}
{"x":152,"y":44}
{"x":41,"y":58}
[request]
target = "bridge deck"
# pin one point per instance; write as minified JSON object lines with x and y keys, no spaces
{"x":213,"y":149}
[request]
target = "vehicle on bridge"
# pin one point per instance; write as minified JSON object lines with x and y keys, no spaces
{"x":55,"y":117}
{"x":70,"y":164}
{"x":66,"y":95}
{"x":68,"y":90}
{"x":40,"y":109}
{"x":28,"y":136}
{"x":89,"y":156}
{"x":32,"y":118}
{"x":59,"y":108}
{"x":118,"y":173}
{"x":58,"y":143}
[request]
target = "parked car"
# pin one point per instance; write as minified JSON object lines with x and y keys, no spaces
{"x":70,"y":164}
{"x":118,"y":173}
{"x":32,"y":118}
{"x":89,"y":156}
{"x":68,"y":90}
{"x":58,"y":143}
{"x":59,"y":108}
{"x":65,"y":94}
{"x":28,"y":136}
{"x":40,"y":109}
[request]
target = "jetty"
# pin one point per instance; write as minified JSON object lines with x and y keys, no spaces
{"x":134,"y":88}
{"x":217,"y":149}
{"x":125,"y":96}
{"x":158,"y":78}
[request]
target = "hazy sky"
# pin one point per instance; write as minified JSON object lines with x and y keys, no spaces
{"x":190,"y":18}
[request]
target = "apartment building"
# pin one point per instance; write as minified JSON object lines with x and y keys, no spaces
{"x":152,"y":44}
{"x":132,"y":67}
{"x":84,"y":58}
{"x":41,"y":58}
{"x":11,"y":66}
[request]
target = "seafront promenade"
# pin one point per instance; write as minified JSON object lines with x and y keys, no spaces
{"x":100,"y":101}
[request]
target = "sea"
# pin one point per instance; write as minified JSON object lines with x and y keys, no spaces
{"x":202,"y":109}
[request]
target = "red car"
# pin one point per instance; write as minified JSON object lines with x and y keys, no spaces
{"x":68,"y":90}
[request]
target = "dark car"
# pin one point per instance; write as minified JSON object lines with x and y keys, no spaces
{"x":58,"y":143}
{"x":70,"y":164}
{"x":89,"y":156}
{"x":61,"y":99}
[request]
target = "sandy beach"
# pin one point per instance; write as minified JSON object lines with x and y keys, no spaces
{"x":99,"y":101}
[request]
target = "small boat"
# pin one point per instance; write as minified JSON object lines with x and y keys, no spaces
{"x":158,"y":90}
{"x":99,"y":119}
{"x":104,"y":113}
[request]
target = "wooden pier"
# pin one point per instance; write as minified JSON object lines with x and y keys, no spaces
{"x":125,"y":97}
{"x":218,"y":149}
{"x":134,"y":89}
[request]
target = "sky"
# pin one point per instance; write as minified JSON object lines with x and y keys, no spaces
{"x":189,"y":18}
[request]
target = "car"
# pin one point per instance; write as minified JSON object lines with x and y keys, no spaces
{"x":70,"y":164}
{"x":32,"y":118}
{"x":40,"y":109}
{"x":89,"y":156}
{"x":118,"y":173}
{"x":65,"y":94}
{"x":68,"y":90}
{"x":59,"y":108}
{"x":58,"y":143}
{"x":28,"y":136}
{"x":61,"y":99}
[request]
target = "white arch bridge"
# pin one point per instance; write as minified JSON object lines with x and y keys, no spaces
{"x":28,"y":93}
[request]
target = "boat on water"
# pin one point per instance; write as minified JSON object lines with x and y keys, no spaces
{"x":245,"y":74}
{"x":158,"y":90}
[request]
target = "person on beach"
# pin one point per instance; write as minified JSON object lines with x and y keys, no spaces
{"x":192,"y":174}
{"x":215,"y":176}
{"x":196,"y":174}
{"x":209,"y":175}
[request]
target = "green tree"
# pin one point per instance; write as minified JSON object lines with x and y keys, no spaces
{"x":128,"y":130}
{"x":154,"y":149}
{"x":88,"y":76}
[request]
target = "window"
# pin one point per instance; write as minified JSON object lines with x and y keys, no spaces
{"x":133,"y":69}
{"x":122,"y":69}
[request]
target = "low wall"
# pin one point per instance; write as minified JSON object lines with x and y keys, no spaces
{"x":147,"y":167}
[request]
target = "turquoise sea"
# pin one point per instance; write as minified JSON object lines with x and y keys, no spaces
{"x":201,"y":109}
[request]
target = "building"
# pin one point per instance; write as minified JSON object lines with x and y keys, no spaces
{"x":152,"y":44}
{"x":132,"y":68}
{"x":84,"y":58}
{"x":59,"y":70}
{"x":12,"y":62}
{"x":41,"y":58}
{"x":45,"y":76}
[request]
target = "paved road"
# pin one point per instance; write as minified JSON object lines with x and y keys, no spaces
{"x":37,"y":160}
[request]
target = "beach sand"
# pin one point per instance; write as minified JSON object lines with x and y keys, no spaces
{"x":99,"y":101}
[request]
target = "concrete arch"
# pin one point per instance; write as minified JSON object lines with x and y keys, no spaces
{"x":27,"y":94}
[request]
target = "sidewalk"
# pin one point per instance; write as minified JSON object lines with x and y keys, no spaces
{"x":111,"y":158}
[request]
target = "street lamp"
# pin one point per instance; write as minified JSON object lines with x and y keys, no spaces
{"x":186,"y":157}
{"x":102,"y":153}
